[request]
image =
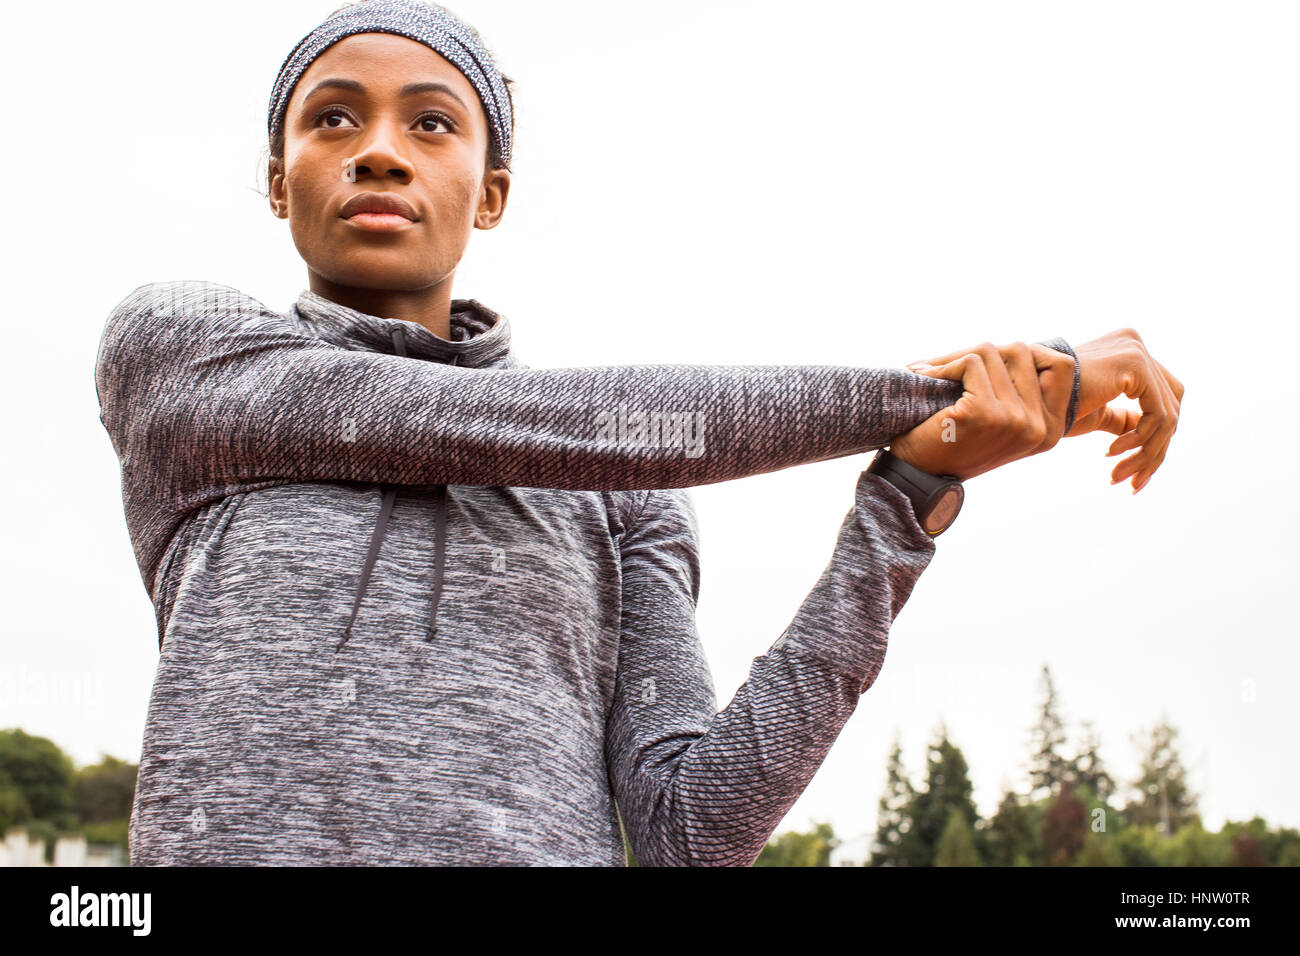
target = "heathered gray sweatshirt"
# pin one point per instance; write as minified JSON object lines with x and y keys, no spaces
{"x":418,"y":603}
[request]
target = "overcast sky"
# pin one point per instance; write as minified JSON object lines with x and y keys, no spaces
{"x":757,"y":183}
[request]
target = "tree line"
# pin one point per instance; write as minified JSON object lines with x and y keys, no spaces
{"x":1073,"y":813}
{"x":44,"y":792}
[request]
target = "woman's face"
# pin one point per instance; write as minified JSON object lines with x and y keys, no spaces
{"x":426,"y":145}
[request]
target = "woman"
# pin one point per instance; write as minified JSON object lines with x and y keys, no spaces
{"x":421,"y":604}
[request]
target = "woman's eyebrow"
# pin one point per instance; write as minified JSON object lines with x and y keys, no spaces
{"x":410,"y":89}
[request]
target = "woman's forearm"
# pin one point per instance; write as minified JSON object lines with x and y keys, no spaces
{"x":237,"y":395}
{"x":206,"y":392}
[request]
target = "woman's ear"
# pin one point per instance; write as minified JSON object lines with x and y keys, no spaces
{"x":492,"y":199}
{"x":275,"y":189}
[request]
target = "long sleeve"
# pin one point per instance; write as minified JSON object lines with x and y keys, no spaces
{"x":206,"y":392}
{"x":698,"y":786}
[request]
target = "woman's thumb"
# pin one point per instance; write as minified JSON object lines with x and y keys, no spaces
{"x":1117,"y":421}
{"x":949,"y":370}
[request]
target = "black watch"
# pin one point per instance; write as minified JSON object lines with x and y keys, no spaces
{"x":936,"y":499}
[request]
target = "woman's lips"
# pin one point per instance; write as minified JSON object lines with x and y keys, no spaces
{"x":379,"y":221}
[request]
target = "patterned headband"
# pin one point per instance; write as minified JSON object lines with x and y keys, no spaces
{"x":428,"y":23}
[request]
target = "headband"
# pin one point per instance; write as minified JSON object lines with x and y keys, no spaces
{"x":427,"y":23}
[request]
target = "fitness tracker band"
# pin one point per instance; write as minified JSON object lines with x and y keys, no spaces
{"x":936,"y":499}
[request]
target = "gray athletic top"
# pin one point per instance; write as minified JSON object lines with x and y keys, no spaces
{"x":418,"y":603}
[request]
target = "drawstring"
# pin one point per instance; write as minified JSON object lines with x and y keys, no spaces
{"x":385,"y":510}
{"x":439,"y":546}
{"x":381,"y":525}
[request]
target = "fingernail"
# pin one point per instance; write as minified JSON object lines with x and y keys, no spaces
{"x":919,"y":366}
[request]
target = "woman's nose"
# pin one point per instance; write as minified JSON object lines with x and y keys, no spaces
{"x":379,"y":157}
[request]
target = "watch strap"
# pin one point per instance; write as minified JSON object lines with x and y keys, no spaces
{"x":917,"y":485}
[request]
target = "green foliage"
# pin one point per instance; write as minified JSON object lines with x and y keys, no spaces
{"x":948,"y":788}
{"x":1070,"y":816}
{"x":13,"y":805}
{"x":42,"y":792}
{"x":800,"y":849}
{"x":1099,"y":849}
{"x":1193,"y":846}
{"x":108,"y":832}
{"x":104,"y":791}
{"x":893,"y":819}
{"x":1250,"y":842}
{"x":40,"y":771}
{"x":1088,"y":771}
{"x":1163,"y":798}
{"x":1013,"y":836}
{"x":957,"y":845}
{"x":1282,"y":847}
{"x":1140,"y":846}
{"x":1048,"y":768}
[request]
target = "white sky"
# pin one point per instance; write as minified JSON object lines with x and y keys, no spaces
{"x":757,"y":183}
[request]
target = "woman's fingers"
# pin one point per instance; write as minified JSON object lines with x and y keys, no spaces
{"x":969,"y":369}
{"x":1160,"y":445}
{"x":1122,"y":422}
{"x":945,"y":359}
{"x":1055,"y":374}
{"x":1175,"y":386}
{"x":1155,"y":428}
{"x":1022,"y":370}
{"x":1154,"y":452}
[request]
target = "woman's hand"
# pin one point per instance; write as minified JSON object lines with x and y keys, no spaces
{"x":1119,"y":364}
{"x":1113,"y":365}
{"x":1014,"y":406}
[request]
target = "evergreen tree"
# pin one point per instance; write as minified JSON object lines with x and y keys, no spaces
{"x":1087,"y":766}
{"x":1161,"y":795}
{"x":957,"y":845}
{"x":1012,"y":836}
{"x":892,"y":819}
{"x":1048,"y":768}
{"x":948,"y":788}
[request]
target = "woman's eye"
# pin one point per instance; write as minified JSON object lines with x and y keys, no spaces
{"x":328,"y":113}
{"x":434,"y":118}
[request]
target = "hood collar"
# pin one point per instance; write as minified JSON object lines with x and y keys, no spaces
{"x":480,"y":336}
{"x":480,"y":339}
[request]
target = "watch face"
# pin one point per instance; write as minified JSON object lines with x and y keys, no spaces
{"x":944,"y":510}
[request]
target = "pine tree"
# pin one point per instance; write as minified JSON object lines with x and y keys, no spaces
{"x":957,"y":845}
{"x":948,"y":788}
{"x":1087,"y":767}
{"x":1161,"y":795}
{"x":1048,"y":768}
{"x":1012,"y":836}
{"x":892,"y":819}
